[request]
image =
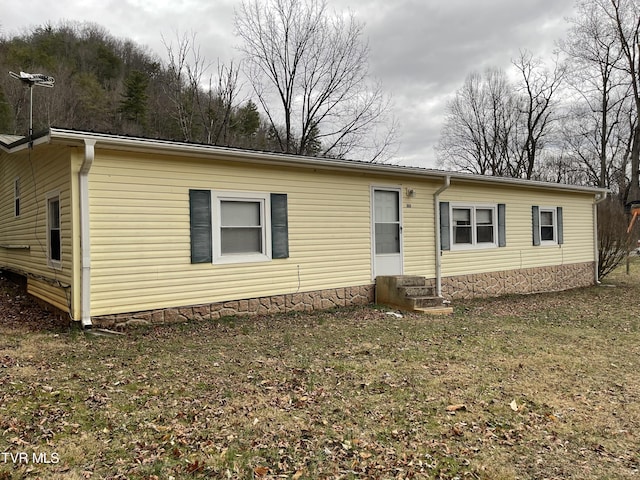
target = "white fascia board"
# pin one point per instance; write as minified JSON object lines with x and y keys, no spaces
{"x":23,"y":143}
{"x":138,"y":144}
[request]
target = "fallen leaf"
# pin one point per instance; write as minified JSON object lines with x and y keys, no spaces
{"x":260,"y":471}
{"x":456,"y":407}
{"x":514,"y":405}
{"x":195,"y":467}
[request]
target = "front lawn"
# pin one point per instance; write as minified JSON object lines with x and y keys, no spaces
{"x":540,"y":386}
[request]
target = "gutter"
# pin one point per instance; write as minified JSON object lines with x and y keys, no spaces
{"x":436,"y":209}
{"x":140,"y":144}
{"x":602,"y":198}
{"x":85,"y":285}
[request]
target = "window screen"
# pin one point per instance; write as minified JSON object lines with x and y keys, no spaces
{"x":484,"y":225}
{"x":241,"y":228}
{"x":547,"y":226}
{"x":462,"y":226}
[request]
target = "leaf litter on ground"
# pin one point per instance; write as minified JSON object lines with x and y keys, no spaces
{"x":536,"y":386}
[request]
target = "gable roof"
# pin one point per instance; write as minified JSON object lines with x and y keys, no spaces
{"x":12,"y":143}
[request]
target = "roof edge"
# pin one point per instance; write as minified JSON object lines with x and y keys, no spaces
{"x":120,"y":142}
{"x":22,"y":142}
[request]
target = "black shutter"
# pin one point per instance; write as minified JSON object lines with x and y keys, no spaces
{"x":560,"y":224}
{"x":200,"y":221}
{"x":445,"y":240}
{"x":502,"y":229}
{"x":279,"y":226}
{"x":535,"y":222}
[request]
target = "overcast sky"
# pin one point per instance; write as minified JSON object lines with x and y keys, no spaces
{"x":421,"y":50}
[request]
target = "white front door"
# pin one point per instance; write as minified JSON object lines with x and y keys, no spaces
{"x":387,"y":232}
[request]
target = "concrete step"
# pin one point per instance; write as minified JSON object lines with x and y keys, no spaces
{"x":435,"y":310}
{"x":409,"y":293}
{"x":416,"y":291}
{"x":426,"y":302}
{"x":411,"y":281}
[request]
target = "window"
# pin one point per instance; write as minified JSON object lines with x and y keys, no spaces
{"x":547,"y":225}
{"x":200,"y":226}
{"x":242,"y":227}
{"x":54,"y":238}
{"x":235,"y":227}
{"x":473,"y":226}
{"x":462,"y":226}
{"x":16,"y":197}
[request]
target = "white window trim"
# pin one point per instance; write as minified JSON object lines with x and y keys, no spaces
{"x":16,"y":197}
{"x":55,"y":195}
{"x":217,"y":196}
{"x":554,"y":211}
{"x":474,"y":245}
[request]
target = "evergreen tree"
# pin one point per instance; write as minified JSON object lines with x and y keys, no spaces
{"x":134,"y":103}
{"x":247,"y":119}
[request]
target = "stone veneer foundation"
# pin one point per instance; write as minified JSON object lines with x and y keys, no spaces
{"x":292,"y":302}
{"x":521,"y":281}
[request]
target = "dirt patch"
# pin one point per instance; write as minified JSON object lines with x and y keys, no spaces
{"x":19,"y":310}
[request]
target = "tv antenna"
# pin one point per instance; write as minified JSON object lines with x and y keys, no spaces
{"x":31,"y":79}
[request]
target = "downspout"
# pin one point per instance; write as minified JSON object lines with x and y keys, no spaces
{"x":436,"y":209}
{"x":85,"y":286}
{"x":596,"y":255}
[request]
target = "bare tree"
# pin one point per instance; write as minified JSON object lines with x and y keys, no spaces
{"x":202,"y":114}
{"x":215,"y":105}
{"x":596,"y":131}
{"x":560,"y":165}
{"x":538,"y":90}
{"x":185,"y":65}
{"x":494,"y":127}
{"x":309,"y":71}
{"x":614,"y":243}
{"x":479,"y":130}
{"x":624,"y":15}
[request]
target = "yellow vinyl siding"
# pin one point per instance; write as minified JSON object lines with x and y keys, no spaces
{"x":140,"y":230}
{"x":56,"y":296}
{"x":418,"y":229}
{"x":140,"y":240}
{"x":520,"y":252}
{"x":140,"y":226}
{"x":41,"y":172}
{"x":140,"y":236}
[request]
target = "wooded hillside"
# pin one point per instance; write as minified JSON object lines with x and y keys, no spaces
{"x":114,"y":85}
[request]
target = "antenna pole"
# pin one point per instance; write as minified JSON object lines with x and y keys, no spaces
{"x":31,"y":79}
{"x":31,"y":115}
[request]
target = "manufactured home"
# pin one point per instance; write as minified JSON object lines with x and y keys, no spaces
{"x":114,"y":229}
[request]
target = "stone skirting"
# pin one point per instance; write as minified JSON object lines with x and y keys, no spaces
{"x":520,"y":281}
{"x":293,"y":302}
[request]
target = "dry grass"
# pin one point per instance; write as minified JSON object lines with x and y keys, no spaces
{"x":546,"y":386}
